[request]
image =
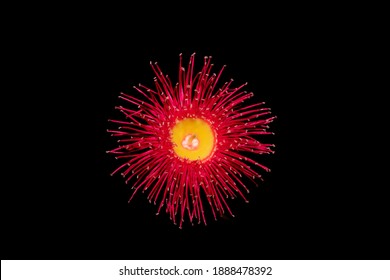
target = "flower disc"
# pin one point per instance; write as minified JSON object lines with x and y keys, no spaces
{"x":193,"y":139}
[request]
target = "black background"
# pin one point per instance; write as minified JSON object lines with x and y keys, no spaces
{"x":317,"y":203}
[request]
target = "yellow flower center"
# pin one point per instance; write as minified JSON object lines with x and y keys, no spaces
{"x":193,"y":139}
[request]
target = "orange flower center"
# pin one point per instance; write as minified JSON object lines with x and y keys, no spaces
{"x":193,"y":139}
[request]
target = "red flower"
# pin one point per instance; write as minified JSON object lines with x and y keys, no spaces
{"x":181,"y":143}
